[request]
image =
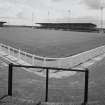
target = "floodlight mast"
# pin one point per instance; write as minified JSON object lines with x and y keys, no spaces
{"x":69,"y":14}
{"x":101,"y":8}
{"x":32,"y":19}
{"x":49,"y":16}
{"x":102,"y":20}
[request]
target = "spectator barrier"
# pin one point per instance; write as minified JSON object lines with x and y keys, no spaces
{"x":23,"y":57}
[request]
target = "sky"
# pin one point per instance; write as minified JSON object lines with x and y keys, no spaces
{"x":31,"y":11}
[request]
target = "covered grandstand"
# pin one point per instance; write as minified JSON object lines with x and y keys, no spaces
{"x":2,"y":23}
{"x":70,"y":26}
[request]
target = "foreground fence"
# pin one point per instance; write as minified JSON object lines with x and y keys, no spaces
{"x":10,"y":79}
{"x":23,"y":57}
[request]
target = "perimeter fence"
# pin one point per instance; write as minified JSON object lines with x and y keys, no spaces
{"x":21,"y":57}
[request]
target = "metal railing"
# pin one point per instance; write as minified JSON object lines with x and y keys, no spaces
{"x":67,"y":62}
{"x":10,"y":79}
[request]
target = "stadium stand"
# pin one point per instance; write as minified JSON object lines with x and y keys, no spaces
{"x":86,"y":27}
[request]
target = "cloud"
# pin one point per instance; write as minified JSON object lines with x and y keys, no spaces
{"x":40,"y":8}
{"x":23,"y":9}
{"x":95,"y":4}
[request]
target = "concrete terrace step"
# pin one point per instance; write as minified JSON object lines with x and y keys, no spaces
{"x":58,"y":103}
{"x":74,"y":103}
{"x":16,"y":101}
{"x":90,"y":62}
{"x":21,"y":101}
{"x":23,"y":62}
{"x":12,"y":58}
{"x":53,"y":73}
{"x":11,"y":100}
{"x":3,"y":53}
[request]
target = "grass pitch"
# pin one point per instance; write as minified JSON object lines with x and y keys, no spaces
{"x":50,"y":43}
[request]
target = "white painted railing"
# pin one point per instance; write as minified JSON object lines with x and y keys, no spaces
{"x":66,"y":62}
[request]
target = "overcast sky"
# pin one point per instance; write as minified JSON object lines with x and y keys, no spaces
{"x":84,"y":10}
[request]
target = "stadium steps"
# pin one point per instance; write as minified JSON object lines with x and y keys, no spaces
{"x":40,"y":70}
{"x":54,"y":73}
{"x":12,"y":58}
{"x":16,"y":101}
{"x":3,"y":53}
{"x":17,"y":61}
{"x":23,"y":62}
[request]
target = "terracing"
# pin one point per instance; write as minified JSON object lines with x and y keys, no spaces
{"x":79,"y":61}
{"x":8,"y":53}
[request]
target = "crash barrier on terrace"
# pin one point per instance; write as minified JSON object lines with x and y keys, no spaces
{"x":23,"y":57}
{"x":10,"y":79}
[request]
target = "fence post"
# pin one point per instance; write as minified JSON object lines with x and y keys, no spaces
{"x":86,"y":87}
{"x":10,"y":79}
{"x":59,"y":63}
{"x":47,"y":79}
{"x":33,"y":60}
{"x":8,"y":50}
{"x":19,"y":57}
{"x":13,"y":52}
{"x":0,"y":46}
{"x":44,"y":62}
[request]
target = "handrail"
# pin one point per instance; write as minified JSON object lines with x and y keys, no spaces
{"x":49,"y":58}
{"x":63,"y":62}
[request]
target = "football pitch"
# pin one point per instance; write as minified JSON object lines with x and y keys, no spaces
{"x":50,"y":43}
